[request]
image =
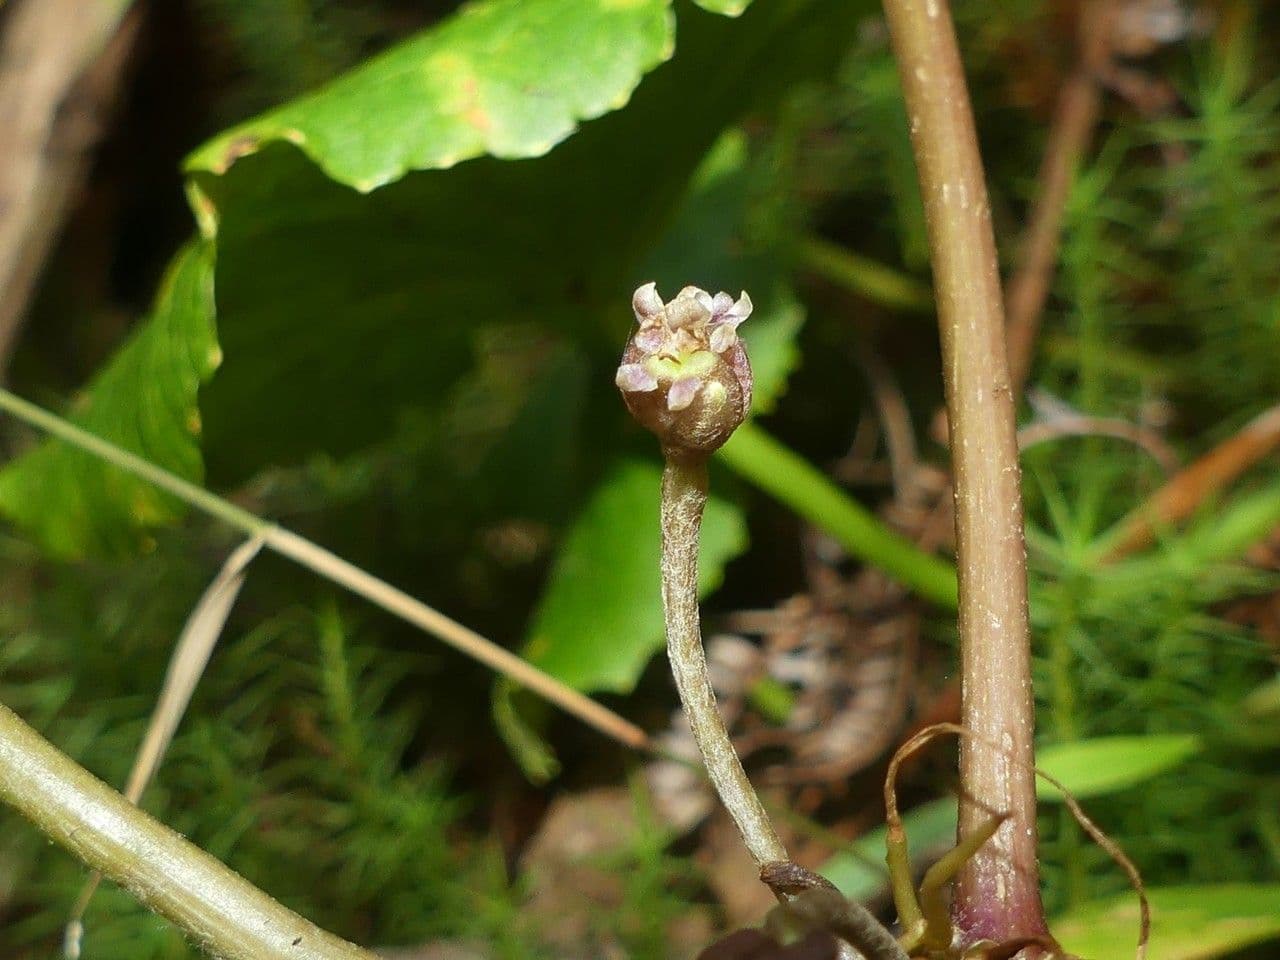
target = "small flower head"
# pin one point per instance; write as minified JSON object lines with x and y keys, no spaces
{"x":684,"y":373}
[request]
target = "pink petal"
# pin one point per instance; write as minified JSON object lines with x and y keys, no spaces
{"x":650,"y":339}
{"x":723,"y":337}
{"x":688,"y":312}
{"x":682,"y":393}
{"x":698,"y":296}
{"x":634,"y":378}
{"x":646,"y":303}
{"x":740,"y":310}
{"x":720,"y":304}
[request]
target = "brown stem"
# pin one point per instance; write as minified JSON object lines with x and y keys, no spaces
{"x":1104,"y":34}
{"x":684,"y":498}
{"x":62,"y":64}
{"x":826,"y":910}
{"x":997,"y":896}
{"x":1073,"y":125}
{"x":222,"y":912}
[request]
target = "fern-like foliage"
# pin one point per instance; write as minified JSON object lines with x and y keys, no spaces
{"x":1164,"y":315}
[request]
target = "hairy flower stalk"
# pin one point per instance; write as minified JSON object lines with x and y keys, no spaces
{"x":685,"y":376}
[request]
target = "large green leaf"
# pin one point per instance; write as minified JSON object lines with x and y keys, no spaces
{"x":145,"y":401}
{"x":1187,"y":923}
{"x":371,"y":303}
{"x":600,"y":620}
{"x":507,"y":78}
{"x":338,"y":312}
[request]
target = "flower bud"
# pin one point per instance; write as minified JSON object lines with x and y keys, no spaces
{"x":684,"y":374}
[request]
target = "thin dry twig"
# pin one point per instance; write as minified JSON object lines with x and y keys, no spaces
{"x":1070,"y":135}
{"x":1188,"y":489}
{"x":190,"y":657}
{"x":1081,"y":425}
{"x":456,"y":635}
{"x":342,"y":572}
{"x":1108,"y":31}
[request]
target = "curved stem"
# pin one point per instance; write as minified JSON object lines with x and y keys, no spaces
{"x":849,"y":921}
{"x":224,"y":913}
{"x":684,"y":494}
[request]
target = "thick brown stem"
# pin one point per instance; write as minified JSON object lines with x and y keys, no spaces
{"x":997,"y":896}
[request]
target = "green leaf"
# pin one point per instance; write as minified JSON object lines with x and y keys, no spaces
{"x":340,"y":313}
{"x":372,"y":303}
{"x":1091,"y":768}
{"x":517,"y":724}
{"x":1187,"y":923}
{"x":512,"y":436}
{"x":727,"y":8}
{"x":1263,"y":702}
{"x":145,"y":401}
{"x":507,"y":78}
{"x":600,"y":620}
{"x":759,"y":458}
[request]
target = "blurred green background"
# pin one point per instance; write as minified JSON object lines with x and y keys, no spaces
{"x":364,"y":268}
